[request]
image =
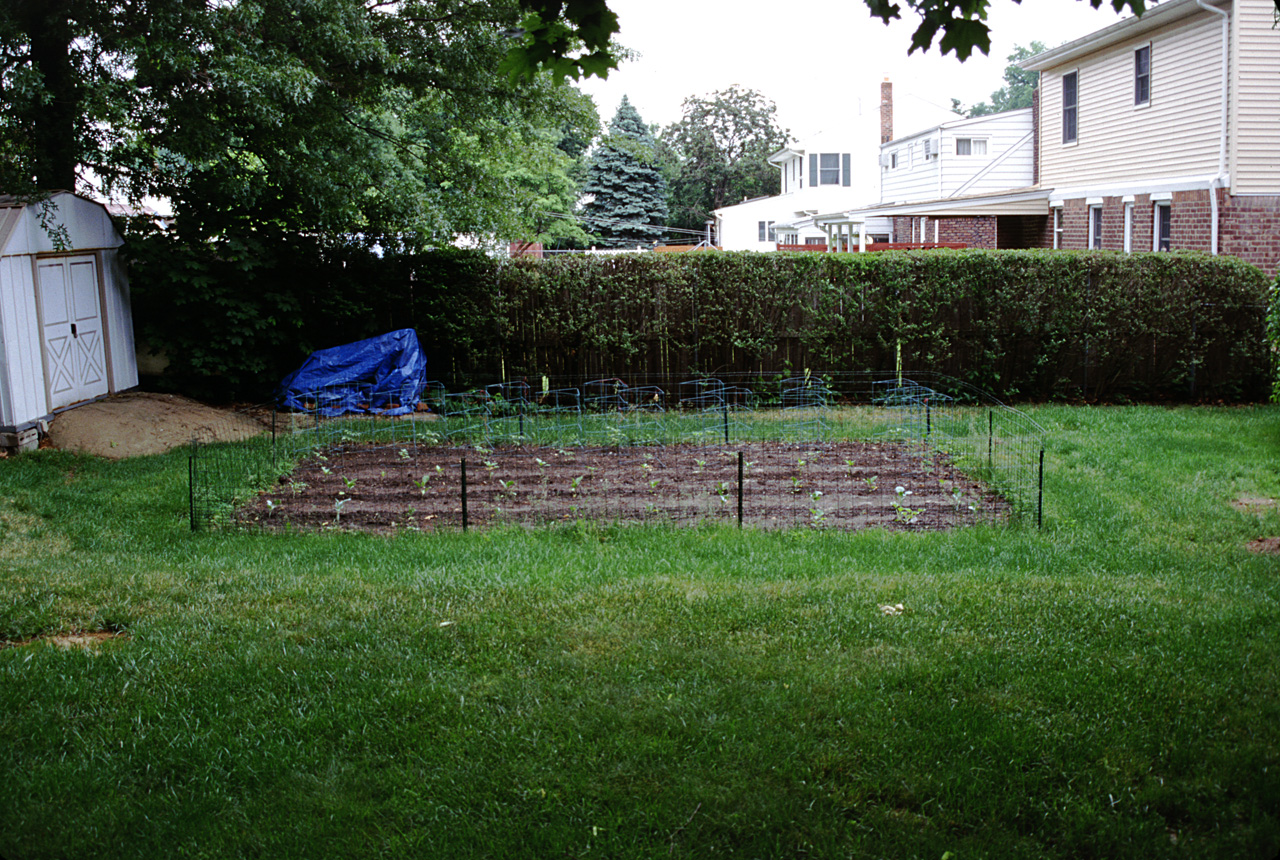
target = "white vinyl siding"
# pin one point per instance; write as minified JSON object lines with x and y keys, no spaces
{"x":23,"y":368}
{"x":118,"y":317}
{"x":1175,"y":136}
{"x":1007,"y":163}
{"x":1255,"y":108}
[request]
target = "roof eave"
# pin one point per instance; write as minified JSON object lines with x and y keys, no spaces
{"x":1129,"y":28}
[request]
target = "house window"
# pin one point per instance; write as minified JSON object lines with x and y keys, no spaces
{"x":893,"y":161}
{"x":815,"y":240}
{"x":1095,"y":227}
{"x":1142,"y":75}
{"x":766,"y":232}
{"x":971,"y":146}
{"x":1163,"y":227}
{"x":1057,"y":227}
{"x":1070,"y":94}
{"x":829,"y":168}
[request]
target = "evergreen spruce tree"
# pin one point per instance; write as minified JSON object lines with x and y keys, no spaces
{"x":630,"y":193}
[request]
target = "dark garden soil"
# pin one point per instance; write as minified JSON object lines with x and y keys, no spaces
{"x":843,"y":485}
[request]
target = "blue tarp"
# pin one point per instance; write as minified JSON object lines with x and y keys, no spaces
{"x":384,"y":374}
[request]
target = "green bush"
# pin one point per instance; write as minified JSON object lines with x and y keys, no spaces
{"x":1032,"y":324}
{"x":1273,"y":332}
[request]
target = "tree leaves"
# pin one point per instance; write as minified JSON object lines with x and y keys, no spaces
{"x":324,"y":115}
{"x":717,"y":153}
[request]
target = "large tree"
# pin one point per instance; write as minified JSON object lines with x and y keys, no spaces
{"x":718,"y":153}
{"x":337,"y":116}
{"x":627,"y":206}
{"x":1019,"y":84}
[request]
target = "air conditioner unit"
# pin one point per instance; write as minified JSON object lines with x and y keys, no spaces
{"x":930,"y":148}
{"x":886,"y":160}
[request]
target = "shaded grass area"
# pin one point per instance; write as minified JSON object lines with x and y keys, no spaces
{"x":1106,"y":686}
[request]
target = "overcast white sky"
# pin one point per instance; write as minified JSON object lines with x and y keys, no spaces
{"x":820,"y":61}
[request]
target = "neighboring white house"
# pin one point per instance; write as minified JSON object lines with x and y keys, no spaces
{"x":826,"y":172}
{"x":66,"y":329}
{"x":814,"y":177}
{"x":967,"y":156}
{"x":930,"y":177}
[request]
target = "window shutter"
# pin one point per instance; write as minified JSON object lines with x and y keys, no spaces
{"x":813,"y":168}
{"x":845,"y":164}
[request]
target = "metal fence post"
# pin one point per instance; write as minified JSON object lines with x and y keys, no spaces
{"x":991,"y":435}
{"x":1040,"y":494}
{"x":739,"y":489}
{"x":464,"y":494}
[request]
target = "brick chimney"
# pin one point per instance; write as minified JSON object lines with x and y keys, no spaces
{"x":1035,"y":135}
{"x":886,"y":111}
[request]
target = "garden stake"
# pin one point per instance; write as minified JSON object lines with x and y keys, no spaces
{"x":991,"y":425}
{"x":464,"y":494}
{"x":726,"y":426}
{"x":739,"y":489}
{"x":191,"y":483}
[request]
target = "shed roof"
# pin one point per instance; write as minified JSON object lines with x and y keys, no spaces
{"x":87,"y":223}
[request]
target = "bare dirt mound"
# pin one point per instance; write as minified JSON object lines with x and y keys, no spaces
{"x":138,"y":423}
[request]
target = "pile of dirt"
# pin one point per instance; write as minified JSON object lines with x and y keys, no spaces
{"x":137,"y":423}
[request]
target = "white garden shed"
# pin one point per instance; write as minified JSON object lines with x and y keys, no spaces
{"x":66,"y":328}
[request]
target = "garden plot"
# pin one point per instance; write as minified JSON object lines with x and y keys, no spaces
{"x":845,"y":485}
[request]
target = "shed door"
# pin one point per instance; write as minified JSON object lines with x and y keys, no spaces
{"x":75,"y":364}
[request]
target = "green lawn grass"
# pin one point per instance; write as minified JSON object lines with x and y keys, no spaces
{"x":1107,"y":686}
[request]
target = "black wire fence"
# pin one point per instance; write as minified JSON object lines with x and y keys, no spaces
{"x":843,"y":451}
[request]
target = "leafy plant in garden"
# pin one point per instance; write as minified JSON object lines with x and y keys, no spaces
{"x":902,"y":513}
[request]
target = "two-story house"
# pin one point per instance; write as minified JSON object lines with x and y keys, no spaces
{"x":965,"y":181}
{"x":827,"y":172}
{"x":1160,"y":132}
{"x":815,"y":176}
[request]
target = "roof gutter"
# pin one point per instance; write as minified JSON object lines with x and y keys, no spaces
{"x":1216,"y":182}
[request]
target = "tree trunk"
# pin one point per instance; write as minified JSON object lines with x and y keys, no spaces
{"x":53,"y":124}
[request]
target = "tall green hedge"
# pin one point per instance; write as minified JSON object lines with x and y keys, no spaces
{"x":1029,"y":324}
{"x":1273,"y":332}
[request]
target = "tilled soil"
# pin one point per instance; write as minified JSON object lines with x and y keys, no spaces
{"x":842,"y":485}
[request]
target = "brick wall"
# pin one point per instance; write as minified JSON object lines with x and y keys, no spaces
{"x":1020,"y":231}
{"x":973,"y":232}
{"x":1191,"y":219}
{"x":1250,"y":230}
{"x":1075,"y":224}
{"x":1249,"y":227}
